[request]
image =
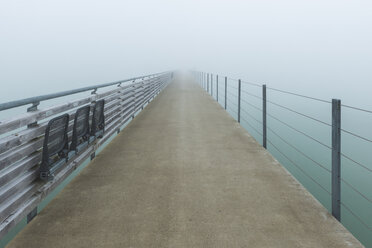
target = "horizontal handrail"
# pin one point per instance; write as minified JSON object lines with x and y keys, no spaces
{"x":37,"y":99}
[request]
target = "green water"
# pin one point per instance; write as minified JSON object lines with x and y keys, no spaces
{"x":359,"y":221}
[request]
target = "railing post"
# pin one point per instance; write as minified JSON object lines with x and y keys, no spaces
{"x":32,"y":109}
{"x":217,"y":86}
{"x":203,"y":80}
{"x":212,"y":85}
{"x":239,"y":93}
{"x":264,"y":127}
{"x":225,"y":92}
{"x":208,"y":82}
{"x":336,"y":159}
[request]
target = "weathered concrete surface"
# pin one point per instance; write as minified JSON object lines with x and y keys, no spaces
{"x":184,"y":174}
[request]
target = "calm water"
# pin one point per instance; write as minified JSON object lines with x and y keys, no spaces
{"x":307,"y":160}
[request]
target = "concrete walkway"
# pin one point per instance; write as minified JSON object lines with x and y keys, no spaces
{"x":184,"y":174}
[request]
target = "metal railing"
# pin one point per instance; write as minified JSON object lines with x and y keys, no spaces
{"x":234,"y":97}
{"x":35,"y":101}
{"x":22,"y":136}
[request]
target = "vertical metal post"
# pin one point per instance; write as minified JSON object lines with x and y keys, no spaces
{"x":264,"y":127}
{"x":225,"y":92}
{"x":217,"y":86}
{"x":203,"y":80}
{"x":336,"y":159}
{"x":33,"y":108}
{"x":212,"y":85}
{"x":239,"y":93}
{"x":208,"y":82}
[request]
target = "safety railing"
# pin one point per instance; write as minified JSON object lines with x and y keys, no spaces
{"x":40,"y":149}
{"x":321,"y":163}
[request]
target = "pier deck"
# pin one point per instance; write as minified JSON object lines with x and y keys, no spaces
{"x":184,"y":173}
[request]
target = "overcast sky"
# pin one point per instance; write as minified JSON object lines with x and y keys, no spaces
{"x":324,"y":46}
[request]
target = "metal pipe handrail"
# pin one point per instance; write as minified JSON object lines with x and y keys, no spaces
{"x":37,"y":99}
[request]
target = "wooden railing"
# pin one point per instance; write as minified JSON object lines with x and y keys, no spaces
{"x":21,"y":145}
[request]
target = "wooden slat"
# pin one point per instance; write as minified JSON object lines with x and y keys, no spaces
{"x":19,"y":167}
{"x":32,"y":198}
{"x":24,"y":150}
{"x":23,"y":136}
{"x":31,"y":117}
{"x":38,"y":115}
{"x":14,"y":155}
{"x":19,"y":185}
{"x":16,"y":200}
{"x":26,"y":135}
{"x":112,"y":104}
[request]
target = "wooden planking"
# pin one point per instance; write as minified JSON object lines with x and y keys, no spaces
{"x":26,"y":149}
{"x":38,"y":115}
{"x":13,"y":156}
{"x":31,"y":117}
{"x":37,"y":144}
{"x":26,"y":135}
{"x":24,"y":195}
{"x":16,"y":200}
{"x":18,"y":184}
{"x":34,"y":194}
{"x":19,"y":167}
{"x":22,"y":137}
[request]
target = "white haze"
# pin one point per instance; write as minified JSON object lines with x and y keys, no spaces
{"x":322,"y":48}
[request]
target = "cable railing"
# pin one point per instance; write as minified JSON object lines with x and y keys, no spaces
{"x":256,"y":118}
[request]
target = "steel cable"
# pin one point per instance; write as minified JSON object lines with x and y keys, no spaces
{"x":298,"y":167}
{"x":234,"y":79}
{"x":246,"y":92}
{"x":356,"y":108}
{"x":229,"y":101}
{"x":250,"y":83}
{"x":356,"y":216}
{"x":296,"y":112}
{"x":250,"y":104}
{"x":299,"y":151}
{"x":247,"y":122}
{"x":295,"y":94}
{"x":232,"y":110}
{"x":356,"y":135}
{"x":295,"y":129}
{"x":260,"y":122}
{"x":356,"y":162}
{"x":357,"y":191}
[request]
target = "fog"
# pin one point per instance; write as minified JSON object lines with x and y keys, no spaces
{"x":322,"y":48}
